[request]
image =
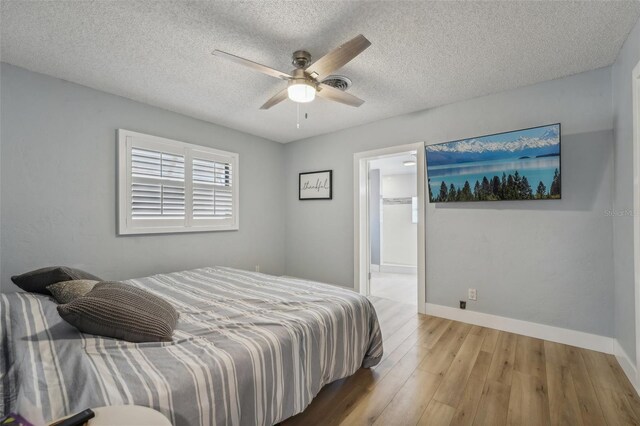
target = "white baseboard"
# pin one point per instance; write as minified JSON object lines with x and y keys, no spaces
{"x":627,"y":365}
{"x":399,"y":269}
{"x":374,"y":268}
{"x":526,"y":328}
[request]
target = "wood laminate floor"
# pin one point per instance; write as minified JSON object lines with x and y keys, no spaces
{"x":440,"y":372}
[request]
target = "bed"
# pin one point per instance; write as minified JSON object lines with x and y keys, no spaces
{"x":249,"y":349}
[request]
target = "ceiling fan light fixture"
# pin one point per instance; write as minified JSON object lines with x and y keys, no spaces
{"x":308,"y":78}
{"x":301,"y":91}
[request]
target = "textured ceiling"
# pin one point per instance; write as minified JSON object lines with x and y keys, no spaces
{"x":423,"y":54}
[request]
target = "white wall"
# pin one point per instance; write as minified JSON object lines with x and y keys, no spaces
{"x":549,"y":262}
{"x":623,"y":192}
{"x":399,"y":186}
{"x":59,"y":185}
{"x":399,"y":233}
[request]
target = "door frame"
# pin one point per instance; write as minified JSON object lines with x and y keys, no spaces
{"x":361,"y":248}
{"x":635,"y":110}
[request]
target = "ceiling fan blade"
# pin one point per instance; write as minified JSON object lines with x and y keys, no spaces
{"x":337,"y":95}
{"x":279,"y":97}
{"x":338,"y":57}
{"x":253,"y":65}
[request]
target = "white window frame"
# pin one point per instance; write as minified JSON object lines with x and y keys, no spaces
{"x":128,"y":226}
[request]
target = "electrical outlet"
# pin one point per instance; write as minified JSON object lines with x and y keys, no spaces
{"x":257,"y":268}
{"x":463,"y":304}
{"x":473,"y":294}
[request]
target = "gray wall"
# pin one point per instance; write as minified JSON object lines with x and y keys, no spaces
{"x":59,"y":185}
{"x":623,"y":193}
{"x":550,"y":261}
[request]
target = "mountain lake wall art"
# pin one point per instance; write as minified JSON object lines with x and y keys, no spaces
{"x":519,"y":165}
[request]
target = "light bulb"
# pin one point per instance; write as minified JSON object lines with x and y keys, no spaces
{"x":301,"y":92}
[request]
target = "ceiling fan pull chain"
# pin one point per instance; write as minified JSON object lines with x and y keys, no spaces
{"x":297,"y":115}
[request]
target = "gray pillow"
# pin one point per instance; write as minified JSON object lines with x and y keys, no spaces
{"x":67,"y":291}
{"x":119,"y":310}
{"x":38,"y":280}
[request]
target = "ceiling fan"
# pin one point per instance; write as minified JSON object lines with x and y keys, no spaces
{"x":306,"y":79}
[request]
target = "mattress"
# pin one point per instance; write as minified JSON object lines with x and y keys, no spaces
{"x":249,"y":349}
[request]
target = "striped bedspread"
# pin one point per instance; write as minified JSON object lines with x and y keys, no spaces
{"x":249,"y":349}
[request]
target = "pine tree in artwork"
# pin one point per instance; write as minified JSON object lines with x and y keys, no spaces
{"x":444,"y":194}
{"x":477,"y":191}
{"x":467,"y":195}
{"x":430,"y":193}
{"x":503,"y":186}
{"x":517,"y":180}
{"x":453,"y":196}
{"x":525,"y":189}
{"x":554,"y":192}
{"x":495,"y":188}
{"x":510,"y":192}
{"x":541,"y":192}
{"x":486,"y":187}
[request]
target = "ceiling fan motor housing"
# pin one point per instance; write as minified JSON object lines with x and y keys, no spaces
{"x":301,"y":59}
{"x":300,"y":77}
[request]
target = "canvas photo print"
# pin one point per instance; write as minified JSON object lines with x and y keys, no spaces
{"x":519,"y":165}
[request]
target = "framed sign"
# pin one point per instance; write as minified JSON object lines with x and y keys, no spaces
{"x":315,"y":185}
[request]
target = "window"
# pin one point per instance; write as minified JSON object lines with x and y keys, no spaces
{"x":169,"y":186}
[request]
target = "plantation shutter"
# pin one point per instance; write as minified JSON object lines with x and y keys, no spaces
{"x":171,"y":186}
{"x":157,"y":185}
{"x":213,"y":188}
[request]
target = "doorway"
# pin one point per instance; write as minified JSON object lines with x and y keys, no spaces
{"x":393,"y":228}
{"x":389,"y":240}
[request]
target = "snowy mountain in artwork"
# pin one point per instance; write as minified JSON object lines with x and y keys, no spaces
{"x":519,"y":165}
{"x":539,"y":141}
